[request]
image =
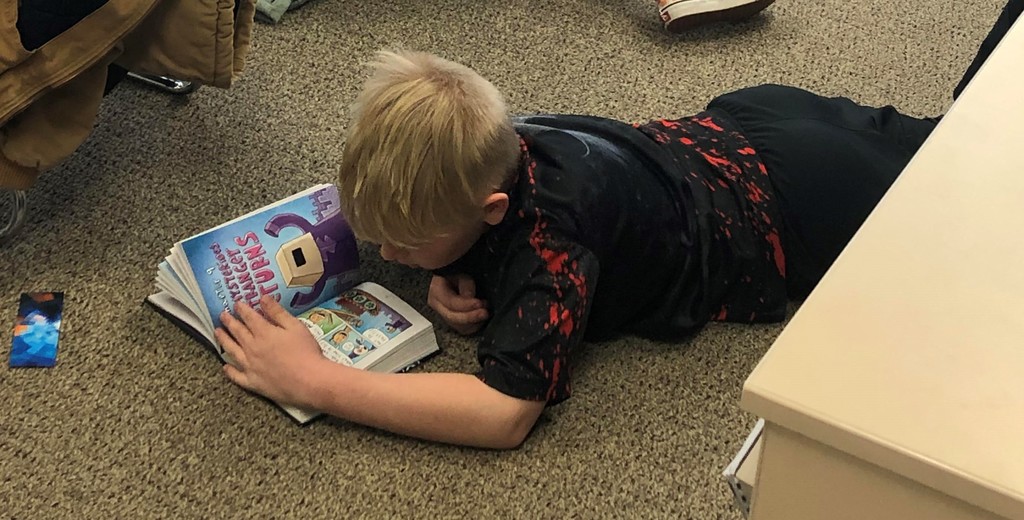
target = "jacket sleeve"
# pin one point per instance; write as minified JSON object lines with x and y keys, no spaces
{"x":203,"y":42}
{"x":49,"y":98}
{"x":51,"y":129}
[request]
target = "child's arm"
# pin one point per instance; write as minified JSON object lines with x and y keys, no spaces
{"x":276,"y":357}
{"x":444,"y":407}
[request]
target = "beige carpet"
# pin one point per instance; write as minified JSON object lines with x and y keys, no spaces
{"x":137,"y":421}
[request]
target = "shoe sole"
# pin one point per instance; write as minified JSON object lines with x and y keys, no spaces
{"x":688,"y":14}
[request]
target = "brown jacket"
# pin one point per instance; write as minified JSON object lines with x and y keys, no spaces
{"x":49,"y":97}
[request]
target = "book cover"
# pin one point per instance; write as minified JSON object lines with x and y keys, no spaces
{"x":299,"y":252}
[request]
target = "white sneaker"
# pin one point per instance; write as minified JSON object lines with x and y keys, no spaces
{"x":680,"y":15}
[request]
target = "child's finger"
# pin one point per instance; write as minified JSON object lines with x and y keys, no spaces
{"x":468,"y":318}
{"x":249,"y":317}
{"x":451,"y":317}
{"x":230,"y":347}
{"x":462,"y":304}
{"x":467,"y":287}
{"x":238,"y":330}
{"x":236,"y":376}
{"x":441,"y":293}
{"x":479,"y":315}
{"x":274,"y":312}
{"x":439,"y":287}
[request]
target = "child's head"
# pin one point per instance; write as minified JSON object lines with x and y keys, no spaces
{"x":430,"y":144}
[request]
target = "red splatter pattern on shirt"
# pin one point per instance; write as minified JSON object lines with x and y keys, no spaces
{"x":734,"y":201}
{"x":564,"y":313}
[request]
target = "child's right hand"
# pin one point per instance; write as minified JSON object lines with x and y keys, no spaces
{"x":454,"y":298}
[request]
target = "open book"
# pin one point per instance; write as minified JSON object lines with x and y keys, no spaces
{"x":301,"y":252}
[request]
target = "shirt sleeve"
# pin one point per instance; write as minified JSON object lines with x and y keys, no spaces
{"x":539,"y":314}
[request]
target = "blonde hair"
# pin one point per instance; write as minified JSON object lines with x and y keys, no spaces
{"x":429,"y":140}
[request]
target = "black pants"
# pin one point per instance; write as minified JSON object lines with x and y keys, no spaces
{"x":831,"y":160}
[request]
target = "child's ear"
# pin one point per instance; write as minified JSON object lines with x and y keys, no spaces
{"x":495,"y":208}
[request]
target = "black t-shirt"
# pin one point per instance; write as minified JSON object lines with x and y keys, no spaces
{"x":649,"y":229}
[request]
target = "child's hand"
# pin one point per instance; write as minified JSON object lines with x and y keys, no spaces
{"x":274,"y":356}
{"x":454,"y":298}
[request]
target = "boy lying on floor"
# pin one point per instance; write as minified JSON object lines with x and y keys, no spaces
{"x":543,"y":230}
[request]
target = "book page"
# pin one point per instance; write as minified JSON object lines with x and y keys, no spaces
{"x":168,"y":281}
{"x":362,"y":325}
{"x":179,"y":265}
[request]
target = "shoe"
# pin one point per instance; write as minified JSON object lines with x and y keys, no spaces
{"x":680,"y":15}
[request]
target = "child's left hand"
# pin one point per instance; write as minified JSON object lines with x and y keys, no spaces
{"x":274,"y":356}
